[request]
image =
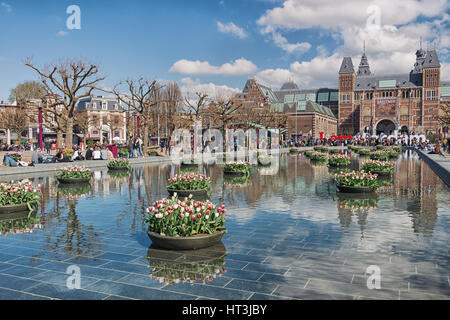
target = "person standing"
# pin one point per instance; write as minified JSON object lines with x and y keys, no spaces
{"x":139,"y":147}
{"x":104,"y":153}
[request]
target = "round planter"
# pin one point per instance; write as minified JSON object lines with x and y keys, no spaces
{"x":382,"y":173}
{"x":235,"y":173}
{"x":73,"y":180}
{"x":348,"y":189}
{"x":264,"y":164}
{"x":186,"y":243}
{"x":118,"y":168}
{"x":189,"y":165}
{"x":23,"y":207}
{"x":186,"y":193}
{"x":336,"y":165}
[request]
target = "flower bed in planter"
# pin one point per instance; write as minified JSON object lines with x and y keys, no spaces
{"x":123,"y":153}
{"x":379,"y":155}
{"x":17,"y":156}
{"x":321,"y":149}
{"x":185,"y":224}
{"x":191,"y":183}
{"x":381,"y":168}
{"x":119,"y":164}
{"x":202,"y":265}
{"x":294,"y":150}
{"x":362,"y":152}
{"x":393,"y":154}
{"x":338,"y":161}
{"x":18,"y":197}
{"x":74,"y":175}
{"x":19,"y":223}
{"x":356,"y":182}
{"x":334,"y":151}
{"x":317,"y":156}
{"x":237,"y":168}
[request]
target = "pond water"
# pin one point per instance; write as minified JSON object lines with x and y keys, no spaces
{"x":290,"y":236}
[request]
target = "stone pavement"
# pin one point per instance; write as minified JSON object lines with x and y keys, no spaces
{"x":439,"y":164}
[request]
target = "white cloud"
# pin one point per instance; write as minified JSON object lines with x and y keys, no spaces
{"x":6,"y":6}
{"x":282,"y":42}
{"x":233,"y":29}
{"x":190,"y":87}
{"x":238,"y":67}
{"x":304,"y":14}
{"x":62,"y":33}
{"x":390,"y":46}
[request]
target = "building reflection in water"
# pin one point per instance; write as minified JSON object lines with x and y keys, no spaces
{"x":298,"y":189}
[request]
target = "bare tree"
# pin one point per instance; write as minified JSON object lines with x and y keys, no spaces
{"x":83,"y":121}
{"x":141,"y":96}
{"x":197,"y":107}
{"x":224,"y":110}
{"x":72,"y":80}
{"x":15,"y":121}
{"x":173,"y":104}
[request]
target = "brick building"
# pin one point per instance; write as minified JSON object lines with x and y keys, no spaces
{"x":384,"y":103}
{"x":309,"y":111}
{"x":107,"y":118}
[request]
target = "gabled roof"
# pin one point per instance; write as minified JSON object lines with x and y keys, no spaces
{"x":386,"y":82}
{"x":431,"y":60}
{"x":347,"y":66}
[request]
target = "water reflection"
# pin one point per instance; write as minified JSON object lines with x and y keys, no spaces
{"x":171,"y":267}
{"x":300,"y":199}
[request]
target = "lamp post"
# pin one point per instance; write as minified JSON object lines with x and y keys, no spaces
{"x":40,"y":127}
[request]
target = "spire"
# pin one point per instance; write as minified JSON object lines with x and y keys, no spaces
{"x":364,"y":68}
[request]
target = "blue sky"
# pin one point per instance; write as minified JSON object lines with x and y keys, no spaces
{"x":192,"y":42}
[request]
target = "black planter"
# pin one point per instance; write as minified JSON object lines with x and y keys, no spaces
{"x":235,"y":173}
{"x":185,"y":193}
{"x":336,"y":165}
{"x":186,"y":243}
{"x":348,"y":189}
{"x":14,"y":208}
{"x":189,"y":165}
{"x":264,"y":164}
{"x":118,"y":168}
{"x":74,"y":180}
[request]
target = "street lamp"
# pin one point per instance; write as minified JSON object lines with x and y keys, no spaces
{"x":40,"y":127}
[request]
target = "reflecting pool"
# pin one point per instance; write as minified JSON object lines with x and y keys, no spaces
{"x":290,"y":236}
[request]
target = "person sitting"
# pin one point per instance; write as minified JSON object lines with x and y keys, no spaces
{"x":59,"y":156}
{"x":9,"y":161}
{"x":37,"y":156}
{"x":89,"y":155}
{"x":77,"y":156}
{"x":97,"y":154}
{"x":104,"y":153}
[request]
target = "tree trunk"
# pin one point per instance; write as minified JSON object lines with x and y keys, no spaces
{"x":69,"y":132}
{"x":59,"y":139}
{"x":144,"y":147}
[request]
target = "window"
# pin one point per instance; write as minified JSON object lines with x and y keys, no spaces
{"x":431,"y":95}
{"x":94,"y":105}
{"x":346,"y":98}
{"x":104,"y":105}
{"x":116,"y":134}
{"x":116,"y":106}
{"x":95,"y":132}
